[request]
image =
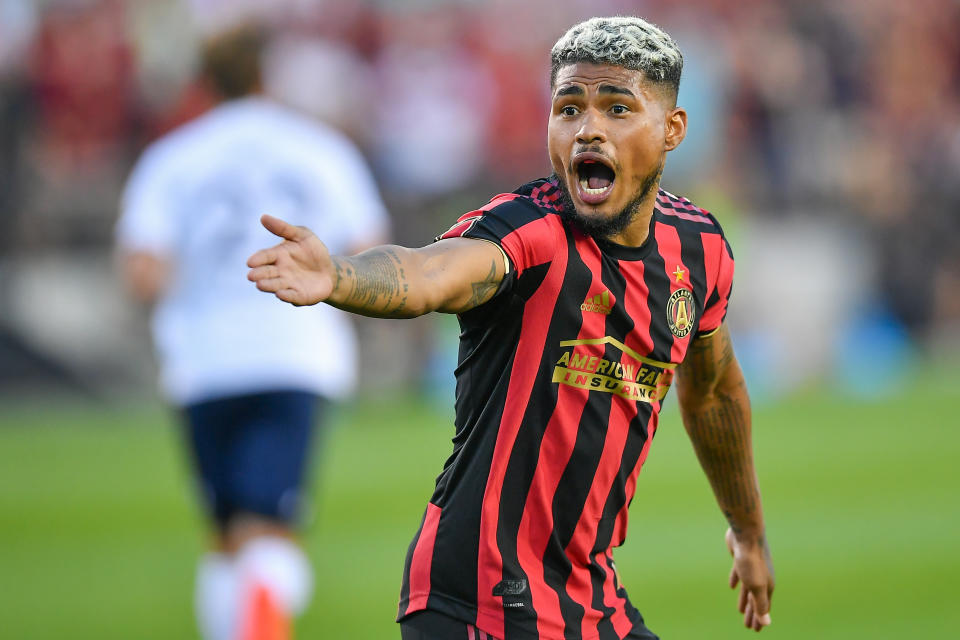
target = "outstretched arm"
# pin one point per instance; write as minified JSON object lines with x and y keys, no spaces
{"x":451,"y":276}
{"x":716,"y":413}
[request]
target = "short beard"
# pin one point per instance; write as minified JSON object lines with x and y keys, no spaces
{"x":605,"y":228}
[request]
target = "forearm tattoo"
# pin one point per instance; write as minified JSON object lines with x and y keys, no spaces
{"x":373,"y":282}
{"x":721,"y":435}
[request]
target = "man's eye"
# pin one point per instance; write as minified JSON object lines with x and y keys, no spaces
{"x":569,"y":111}
{"x":619,"y":109}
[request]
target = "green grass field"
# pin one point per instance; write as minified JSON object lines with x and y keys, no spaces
{"x":99,"y":529}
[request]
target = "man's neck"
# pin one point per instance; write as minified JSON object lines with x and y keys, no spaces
{"x":635,"y":233}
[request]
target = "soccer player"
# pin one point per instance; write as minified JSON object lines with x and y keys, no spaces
{"x":582,"y":298}
{"x":250,"y":400}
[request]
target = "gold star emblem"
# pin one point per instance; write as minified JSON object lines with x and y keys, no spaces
{"x":679,"y":273}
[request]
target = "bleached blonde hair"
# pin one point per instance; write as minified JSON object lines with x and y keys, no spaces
{"x":628,"y":42}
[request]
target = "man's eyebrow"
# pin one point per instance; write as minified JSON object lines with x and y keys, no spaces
{"x":612,"y":88}
{"x":570,"y":90}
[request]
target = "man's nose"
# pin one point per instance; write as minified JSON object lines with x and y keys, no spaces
{"x":591,"y":128}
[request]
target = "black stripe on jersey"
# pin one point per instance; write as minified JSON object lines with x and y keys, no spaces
{"x":692,"y":253}
{"x":519,"y":473}
{"x":572,"y":493}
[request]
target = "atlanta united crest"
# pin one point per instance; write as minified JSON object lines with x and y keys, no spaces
{"x":681,"y":312}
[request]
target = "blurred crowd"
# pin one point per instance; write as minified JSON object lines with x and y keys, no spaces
{"x":842,"y":115}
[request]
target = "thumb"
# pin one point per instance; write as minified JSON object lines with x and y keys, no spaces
{"x":283,"y":229}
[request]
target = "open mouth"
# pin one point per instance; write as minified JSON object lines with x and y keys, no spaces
{"x":594,"y":180}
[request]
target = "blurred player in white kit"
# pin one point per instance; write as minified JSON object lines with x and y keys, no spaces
{"x":249,"y":398}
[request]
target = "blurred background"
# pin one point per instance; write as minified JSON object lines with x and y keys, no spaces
{"x":825,"y":136}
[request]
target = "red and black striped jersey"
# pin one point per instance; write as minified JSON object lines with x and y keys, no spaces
{"x":559,"y":385}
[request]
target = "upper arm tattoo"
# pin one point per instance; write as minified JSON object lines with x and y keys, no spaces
{"x":707,"y":359}
{"x":483,"y":289}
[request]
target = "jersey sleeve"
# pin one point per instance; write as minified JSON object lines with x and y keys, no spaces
{"x":147,"y":221}
{"x":519,"y":228}
{"x":722,"y":267}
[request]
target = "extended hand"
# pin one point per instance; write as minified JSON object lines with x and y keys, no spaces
{"x":299,"y":270}
{"x":753,"y":569}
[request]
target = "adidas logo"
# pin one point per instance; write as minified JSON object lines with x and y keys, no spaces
{"x":599,"y":303}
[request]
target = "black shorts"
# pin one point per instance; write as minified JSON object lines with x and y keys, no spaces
{"x":430,"y":625}
{"x":250,"y":452}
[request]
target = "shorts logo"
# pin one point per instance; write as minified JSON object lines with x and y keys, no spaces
{"x":599,"y":303}
{"x":681,"y":312}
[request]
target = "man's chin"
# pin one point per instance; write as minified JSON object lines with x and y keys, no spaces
{"x":601,"y":220}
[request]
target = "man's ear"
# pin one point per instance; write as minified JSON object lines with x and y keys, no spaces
{"x":675,"y":128}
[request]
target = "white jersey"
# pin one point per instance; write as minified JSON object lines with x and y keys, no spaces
{"x":195,"y":198}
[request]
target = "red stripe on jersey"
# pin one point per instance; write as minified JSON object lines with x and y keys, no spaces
{"x":579,"y":584}
{"x":559,"y":438}
{"x":530,"y":347}
{"x":422,"y":560}
{"x":640,"y":340}
{"x":635,"y":303}
{"x":668,"y":243}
